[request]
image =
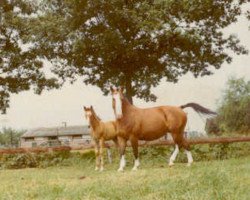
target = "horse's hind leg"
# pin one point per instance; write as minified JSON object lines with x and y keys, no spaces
{"x":189,"y":156}
{"x":180,"y":142}
{"x":134,"y":143}
{"x":173,"y":156}
{"x":186,"y":146}
{"x":184,"y":143}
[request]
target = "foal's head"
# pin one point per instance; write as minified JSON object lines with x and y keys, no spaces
{"x":117,"y":96}
{"x":89,"y":112}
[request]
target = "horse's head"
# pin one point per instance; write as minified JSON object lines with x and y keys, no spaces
{"x":117,"y":96}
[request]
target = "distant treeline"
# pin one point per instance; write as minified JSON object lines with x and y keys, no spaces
{"x":233,"y":110}
{"x":10,"y":137}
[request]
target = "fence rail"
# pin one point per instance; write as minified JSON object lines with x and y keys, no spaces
{"x":223,"y":140}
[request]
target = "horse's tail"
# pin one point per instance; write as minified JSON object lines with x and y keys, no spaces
{"x":198,"y":108}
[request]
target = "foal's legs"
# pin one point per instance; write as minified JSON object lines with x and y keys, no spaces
{"x":101,"y":143}
{"x":97,"y":155}
{"x":134,"y":143}
{"x":122,"y":146}
{"x":109,"y":153}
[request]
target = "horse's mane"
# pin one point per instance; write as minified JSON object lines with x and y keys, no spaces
{"x":127,"y":121}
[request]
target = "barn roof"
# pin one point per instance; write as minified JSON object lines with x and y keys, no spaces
{"x":57,"y":131}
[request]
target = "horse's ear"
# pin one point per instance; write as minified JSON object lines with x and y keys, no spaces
{"x":91,"y":107}
{"x":111,"y":89}
{"x":121,"y":89}
{"x":84,"y":108}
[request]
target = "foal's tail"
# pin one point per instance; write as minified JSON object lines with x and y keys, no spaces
{"x":199,"y":109}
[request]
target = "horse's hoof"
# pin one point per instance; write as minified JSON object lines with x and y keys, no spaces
{"x":134,"y":169}
{"x":171,"y":164}
{"x":96,"y":169}
{"x":101,"y":170}
{"x":189,"y":164}
{"x":120,"y":170}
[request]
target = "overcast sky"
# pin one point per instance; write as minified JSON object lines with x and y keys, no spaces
{"x":28,"y":110}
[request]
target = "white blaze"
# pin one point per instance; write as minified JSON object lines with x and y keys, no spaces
{"x":118,"y":105}
{"x":88,"y":114}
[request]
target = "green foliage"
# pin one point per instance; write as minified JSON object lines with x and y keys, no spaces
{"x":43,"y":160}
{"x":20,"y":67}
{"x":212,"y":126}
{"x":10,"y":137}
{"x":152,"y":156}
{"x":133,"y":43}
{"x":204,"y":152}
{"x":234,"y":110}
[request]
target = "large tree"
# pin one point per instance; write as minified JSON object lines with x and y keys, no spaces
{"x":20,"y":67}
{"x":134,"y":43}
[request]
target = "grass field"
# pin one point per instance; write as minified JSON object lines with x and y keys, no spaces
{"x":220,"y":179}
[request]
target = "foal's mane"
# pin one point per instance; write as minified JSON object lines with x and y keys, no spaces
{"x":95,"y":115}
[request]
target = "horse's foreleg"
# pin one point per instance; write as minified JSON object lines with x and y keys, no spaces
{"x":122,"y":147}
{"x":134,"y":143}
{"x":101,"y":143}
{"x":97,"y":158}
{"x":115,"y":140}
{"x":173,"y":156}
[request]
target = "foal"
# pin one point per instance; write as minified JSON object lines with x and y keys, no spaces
{"x":100,"y":132}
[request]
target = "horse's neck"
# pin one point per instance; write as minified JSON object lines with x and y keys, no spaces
{"x":127,"y":107}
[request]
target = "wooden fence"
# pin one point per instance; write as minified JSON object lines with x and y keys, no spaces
{"x":222,"y":140}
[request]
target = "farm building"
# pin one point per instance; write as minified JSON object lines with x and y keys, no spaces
{"x":70,"y":136}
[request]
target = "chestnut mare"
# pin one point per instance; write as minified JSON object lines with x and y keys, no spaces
{"x":100,"y":132}
{"x":149,"y":124}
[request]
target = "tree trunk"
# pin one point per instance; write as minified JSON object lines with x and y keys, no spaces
{"x":129,"y":89}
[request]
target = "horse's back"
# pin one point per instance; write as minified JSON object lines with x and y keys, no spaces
{"x":157,"y":121}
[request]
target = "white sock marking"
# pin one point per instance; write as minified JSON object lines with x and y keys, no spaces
{"x":189,"y":157}
{"x":137,"y":164}
{"x":173,"y":156}
{"x":122,"y":163}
